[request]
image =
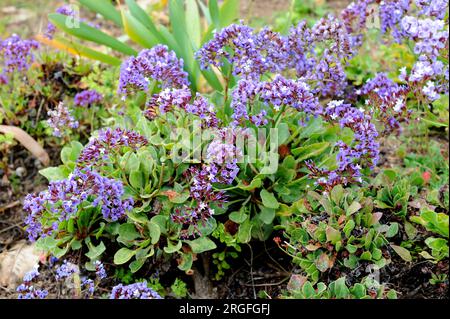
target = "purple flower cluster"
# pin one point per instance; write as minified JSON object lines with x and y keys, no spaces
{"x":16,"y":55}
{"x":389,"y":99}
{"x":201,"y":191}
{"x":252,"y":54}
{"x":158,"y":64}
{"x":222,"y":155}
{"x":221,"y":166}
{"x":138,"y":290}
{"x":354,"y":17}
{"x":166,"y":100}
{"x":109,"y":141}
{"x":99,"y":270}
{"x":301,"y":47}
{"x":62,"y":200}
{"x":391,"y":13}
{"x":428,"y":34}
{"x":26,"y":290}
{"x":202,"y":108}
{"x":433,"y":8}
{"x":60,"y":119}
{"x":350,"y":159}
{"x":329,"y":76}
{"x":87,"y":97}
{"x":277,"y":93}
{"x":66,"y":270}
{"x":332,"y":30}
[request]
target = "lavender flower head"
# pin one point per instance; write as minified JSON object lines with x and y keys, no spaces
{"x":433,"y":8}
{"x":17,"y":54}
{"x":100,"y":270}
{"x":87,"y":97}
{"x":26,"y":290}
{"x":429,"y":35}
{"x":134,"y":291}
{"x":66,"y":270}
{"x":252,"y":54}
{"x":158,"y":64}
{"x":109,"y":141}
{"x":60,"y":119}
{"x":391,"y":14}
{"x":62,"y":200}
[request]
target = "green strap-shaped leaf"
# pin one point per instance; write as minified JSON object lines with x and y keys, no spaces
{"x":212,"y":79}
{"x":74,"y":47}
{"x":229,"y":12}
{"x":105,"y":8}
{"x":214,"y":12}
{"x":140,"y":14}
{"x":178,"y":22}
{"x":137,"y":31}
{"x":86,"y":32}
{"x":304,"y":152}
{"x":193,"y":23}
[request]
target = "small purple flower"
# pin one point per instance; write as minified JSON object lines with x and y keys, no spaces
{"x":99,"y":270}
{"x":17,"y":54}
{"x":158,"y":64}
{"x":67,"y":269}
{"x":26,"y":290}
{"x":391,"y":14}
{"x":87,"y":97}
{"x":108,"y":142}
{"x":89,"y":285}
{"x":62,"y":200}
{"x":138,"y":290}
{"x":60,"y":119}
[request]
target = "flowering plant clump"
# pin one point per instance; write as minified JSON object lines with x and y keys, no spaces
{"x":243,"y":135}
{"x":16,"y":56}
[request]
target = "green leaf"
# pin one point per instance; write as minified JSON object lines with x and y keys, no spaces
{"x":155,"y":232}
{"x":214,"y":12}
{"x":70,"y":153}
{"x":239,"y":216}
{"x":269,"y":199}
{"x":137,"y":264}
{"x":144,"y":18}
{"x":340,"y":288}
{"x":128,"y":232}
{"x":305,"y":152}
{"x":392,"y":230}
{"x":52,"y":174}
{"x":402,"y":252}
{"x":353,"y":208}
{"x":76,"y":48}
{"x":201,"y":245}
{"x":283,"y":133}
{"x":123,"y":255}
{"x":179,"y":30}
{"x":86,"y":32}
{"x":186,"y":262}
{"x":193,"y":26}
{"x":333,"y":235}
{"x":256,"y":183}
{"x":138,"y":32}
{"x":266,"y":215}
{"x":95,"y":251}
{"x":173,"y":248}
{"x":229,"y":12}
{"x":137,"y":179}
{"x":245,"y":232}
{"x":103,"y":7}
